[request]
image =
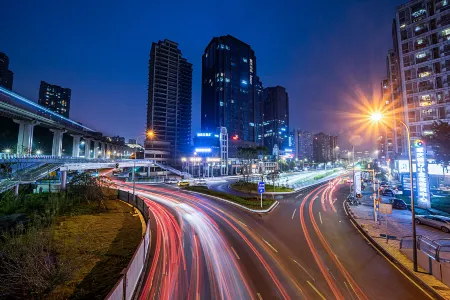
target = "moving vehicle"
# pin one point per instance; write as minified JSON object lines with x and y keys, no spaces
{"x":439,"y":222}
{"x":398,"y":204}
{"x":388,"y":193}
{"x":170,"y":180}
{"x":183,"y":183}
{"x":200,"y":182}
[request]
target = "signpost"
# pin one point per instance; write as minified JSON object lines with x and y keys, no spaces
{"x":261,"y":189}
{"x":386,"y":209}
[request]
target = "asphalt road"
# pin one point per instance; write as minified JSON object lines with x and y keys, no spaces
{"x":306,"y":248}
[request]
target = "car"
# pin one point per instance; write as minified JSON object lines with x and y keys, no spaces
{"x":183,"y":183}
{"x":200,"y":182}
{"x":170,"y":180}
{"x":398,"y":204}
{"x":388,"y":193}
{"x":439,"y":222}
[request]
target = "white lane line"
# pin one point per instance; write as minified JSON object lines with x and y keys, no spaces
{"x":293,"y":214}
{"x":298,"y":195}
{"x":234,"y":251}
{"x":259,"y":296}
{"x":304,"y":269}
{"x":242,"y":223}
{"x":320,"y":217}
{"x":270,"y":245}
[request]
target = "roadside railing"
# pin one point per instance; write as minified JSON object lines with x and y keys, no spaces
{"x":125,"y":287}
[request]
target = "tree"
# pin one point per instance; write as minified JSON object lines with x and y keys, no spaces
{"x":439,"y":142}
{"x":246,"y":154}
{"x":88,"y":188}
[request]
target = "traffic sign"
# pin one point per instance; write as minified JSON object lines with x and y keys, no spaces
{"x":261,"y":187}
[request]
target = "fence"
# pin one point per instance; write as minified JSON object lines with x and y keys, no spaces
{"x":126,"y":285}
{"x":432,"y":255}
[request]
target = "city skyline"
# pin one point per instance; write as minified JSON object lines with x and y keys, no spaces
{"x":277,"y":63}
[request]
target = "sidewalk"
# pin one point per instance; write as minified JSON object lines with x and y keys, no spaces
{"x":399,"y":225}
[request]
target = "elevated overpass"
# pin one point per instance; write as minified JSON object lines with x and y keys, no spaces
{"x":28,"y":169}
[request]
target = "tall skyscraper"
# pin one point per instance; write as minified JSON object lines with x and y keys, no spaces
{"x":304,"y":145}
{"x":259,"y":110}
{"x":55,"y":98}
{"x":423,"y":28}
{"x":169,"y":106}
{"x":276,"y":117}
{"x":229,"y":88}
{"x":6,"y":75}
{"x":324,"y":148}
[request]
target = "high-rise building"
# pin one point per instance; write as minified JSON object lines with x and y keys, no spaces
{"x":423,"y":32}
{"x":230,"y":88}
{"x":304,"y":145}
{"x":276,"y":117}
{"x":324,"y":148}
{"x":259,"y":110}
{"x":55,"y":98}
{"x":6,"y":75}
{"x":169,"y":107}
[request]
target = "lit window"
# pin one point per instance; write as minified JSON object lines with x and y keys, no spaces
{"x":444,"y":3}
{"x":418,"y":13}
{"x":227,"y":79}
{"x":418,"y":28}
{"x":244,"y":59}
{"x":221,"y":79}
{"x":402,"y":26}
{"x":420,"y":42}
{"x":424,"y":74}
{"x":227,"y":47}
{"x":221,"y":103}
{"x":222,"y":46}
{"x":446,"y":32}
{"x":244,"y":82}
{"x":421,"y":55}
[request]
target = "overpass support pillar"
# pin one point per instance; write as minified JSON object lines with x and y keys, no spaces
{"x":107,"y":150}
{"x":25,"y":138}
{"x":76,"y":145}
{"x":87,"y":148}
{"x":103,"y":154}
{"x":63,"y":185}
{"x":96,"y":149}
{"x":57,"y":141}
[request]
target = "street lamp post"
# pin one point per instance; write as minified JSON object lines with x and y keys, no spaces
{"x":149,"y":134}
{"x":377,"y":117}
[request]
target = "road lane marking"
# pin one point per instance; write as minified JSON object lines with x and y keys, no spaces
{"x":293,"y":213}
{"x":242,"y":223}
{"x":350,"y":293}
{"x":270,"y":245}
{"x":304,"y":269}
{"x":298,"y":195}
{"x":320,"y":217}
{"x":259,"y":296}
{"x":316,"y":290}
{"x":234,"y":251}
{"x":343,"y":205}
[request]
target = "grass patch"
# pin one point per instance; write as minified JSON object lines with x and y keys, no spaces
{"x":99,"y":246}
{"x":250,"y":202}
{"x":324,"y":175}
{"x":253,"y":187}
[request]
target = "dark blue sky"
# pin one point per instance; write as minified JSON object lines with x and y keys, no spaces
{"x":320,"y":51}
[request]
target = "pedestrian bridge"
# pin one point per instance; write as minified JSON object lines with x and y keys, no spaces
{"x":22,"y":169}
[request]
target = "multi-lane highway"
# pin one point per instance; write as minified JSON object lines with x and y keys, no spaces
{"x":305,"y":248}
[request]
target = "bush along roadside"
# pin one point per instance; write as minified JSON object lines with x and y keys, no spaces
{"x":325,"y":174}
{"x":249,"y":202}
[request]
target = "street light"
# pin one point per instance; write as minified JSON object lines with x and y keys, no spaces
{"x":150,"y":133}
{"x":377,"y":117}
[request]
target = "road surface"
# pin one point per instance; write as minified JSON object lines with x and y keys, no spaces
{"x":305,"y":249}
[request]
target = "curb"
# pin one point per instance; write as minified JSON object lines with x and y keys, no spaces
{"x":275,"y":204}
{"x":374,"y":244}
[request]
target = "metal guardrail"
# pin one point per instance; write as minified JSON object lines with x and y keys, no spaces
{"x":438,"y":250}
{"x":125,"y":288}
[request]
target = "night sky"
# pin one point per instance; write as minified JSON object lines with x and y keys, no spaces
{"x":321,"y":52}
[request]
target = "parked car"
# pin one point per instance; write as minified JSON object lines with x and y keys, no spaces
{"x":200,"y":182}
{"x":183,"y":183}
{"x":439,"y":222}
{"x":170,"y":180}
{"x":398,"y":204}
{"x":388,"y":193}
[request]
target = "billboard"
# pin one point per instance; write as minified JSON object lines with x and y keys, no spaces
{"x":357,"y":183}
{"x":423,"y":188}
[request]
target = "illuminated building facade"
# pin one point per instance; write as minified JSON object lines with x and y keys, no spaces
{"x":423,"y":28}
{"x":276,"y":117}
{"x":169,"y":106}
{"x":55,"y":98}
{"x":230,"y":88}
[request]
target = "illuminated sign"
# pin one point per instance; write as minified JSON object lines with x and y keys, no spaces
{"x":288,"y":150}
{"x":251,"y":71}
{"x":235,"y":137}
{"x":423,"y":194}
{"x":203,"y":150}
{"x":212,"y":159}
{"x":203,"y":134}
